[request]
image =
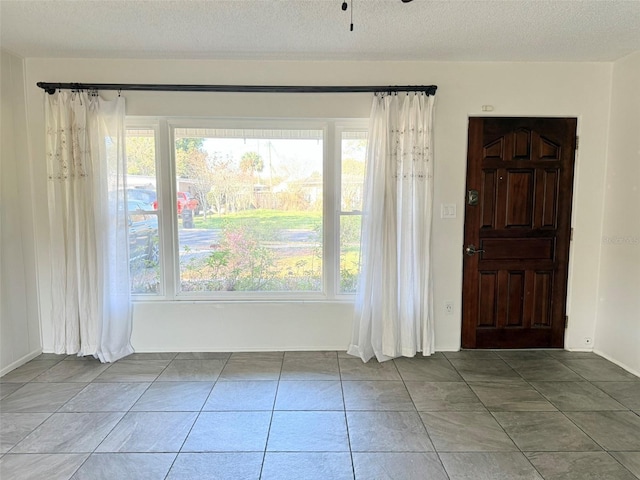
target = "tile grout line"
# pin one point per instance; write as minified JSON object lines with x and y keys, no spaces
{"x":346,"y":421}
{"x":125,"y":413}
{"x":89,"y":454}
{"x":494,"y":417}
{"x":562,"y":412}
{"x":435,"y":450}
{"x":64,"y":403}
{"x":543,"y":396}
{"x":197,"y":416}
{"x":491,"y":413}
{"x":280,"y":376}
{"x":275,"y":398}
{"x":585,"y":380}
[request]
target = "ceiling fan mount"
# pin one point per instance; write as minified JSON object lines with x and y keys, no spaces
{"x":345,"y":6}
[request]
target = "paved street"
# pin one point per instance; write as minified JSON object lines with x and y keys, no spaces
{"x":199,"y":239}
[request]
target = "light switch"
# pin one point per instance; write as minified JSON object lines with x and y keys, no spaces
{"x":448,"y":210}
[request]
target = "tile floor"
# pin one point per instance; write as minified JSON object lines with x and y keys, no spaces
{"x":321,"y":415}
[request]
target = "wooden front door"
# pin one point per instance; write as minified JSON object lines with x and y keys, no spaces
{"x":517,"y":231}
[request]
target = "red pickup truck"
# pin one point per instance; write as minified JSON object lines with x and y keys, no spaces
{"x":184,"y":202}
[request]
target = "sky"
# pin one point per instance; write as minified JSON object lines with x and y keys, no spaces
{"x":281,"y":157}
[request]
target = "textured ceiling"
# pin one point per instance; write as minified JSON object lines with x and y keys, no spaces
{"x":454,"y":30}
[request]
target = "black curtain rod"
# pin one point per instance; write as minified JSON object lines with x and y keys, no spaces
{"x":51,"y":88}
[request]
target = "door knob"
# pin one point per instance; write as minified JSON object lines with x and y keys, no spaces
{"x":471,"y":250}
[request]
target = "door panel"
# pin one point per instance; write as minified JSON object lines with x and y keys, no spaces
{"x":514,"y":292}
{"x":517,"y":249}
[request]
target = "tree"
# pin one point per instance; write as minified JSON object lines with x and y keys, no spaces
{"x":352,"y":184}
{"x":221,"y":194}
{"x":141,"y":156}
{"x":186,"y":147}
{"x":251,"y":162}
{"x":189,"y":143}
{"x":196,"y":167}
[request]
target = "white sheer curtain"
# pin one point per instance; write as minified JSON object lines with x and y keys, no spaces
{"x":91,"y":304}
{"x":394,"y":307}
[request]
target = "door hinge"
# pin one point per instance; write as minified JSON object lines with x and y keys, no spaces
{"x":577,"y":141}
{"x":571,"y":235}
{"x":566,"y":321}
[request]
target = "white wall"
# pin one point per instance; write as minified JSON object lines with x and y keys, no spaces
{"x":618,"y":316}
{"x":517,"y":89}
{"x":19,"y":323}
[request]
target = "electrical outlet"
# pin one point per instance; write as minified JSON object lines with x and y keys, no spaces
{"x":448,"y":307}
{"x":588,"y":341}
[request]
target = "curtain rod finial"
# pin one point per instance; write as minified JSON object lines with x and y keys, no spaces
{"x":46,"y":87}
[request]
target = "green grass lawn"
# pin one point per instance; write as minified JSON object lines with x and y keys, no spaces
{"x":288,"y":269}
{"x":269,"y":219}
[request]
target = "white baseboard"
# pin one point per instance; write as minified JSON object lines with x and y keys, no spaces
{"x":240,"y":350}
{"x":620,"y":364}
{"x":20,"y":362}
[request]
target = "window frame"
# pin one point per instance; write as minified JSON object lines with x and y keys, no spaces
{"x":146,"y":123}
{"x":340,"y":129}
{"x":168,"y":222}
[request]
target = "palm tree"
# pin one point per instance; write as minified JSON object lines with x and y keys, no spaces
{"x":251,"y":162}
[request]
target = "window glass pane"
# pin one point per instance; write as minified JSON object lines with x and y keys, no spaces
{"x":144,"y":245}
{"x":354,"y":147}
{"x":252,"y":214}
{"x":349,"y":252}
